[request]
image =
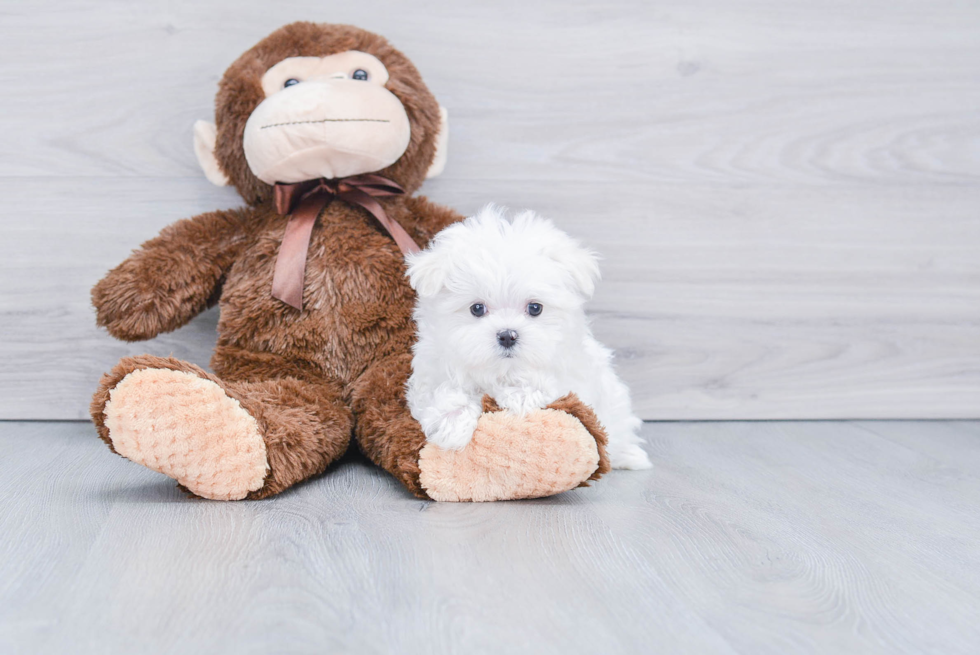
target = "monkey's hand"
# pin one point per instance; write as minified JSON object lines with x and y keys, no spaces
{"x":170,"y":279}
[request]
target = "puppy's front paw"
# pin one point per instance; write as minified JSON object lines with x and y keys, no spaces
{"x":522,"y":401}
{"x":450,"y":419}
{"x":452,"y":431}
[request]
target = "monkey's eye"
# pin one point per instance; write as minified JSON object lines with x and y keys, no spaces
{"x":291,"y":81}
{"x":359,"y":74}
{"x":478,"y":309}
{"x":534,"y":308}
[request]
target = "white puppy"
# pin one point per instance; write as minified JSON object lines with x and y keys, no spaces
{"x":500,"y":312}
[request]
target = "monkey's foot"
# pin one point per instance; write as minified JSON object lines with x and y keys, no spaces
{"x":186,"y":427}
{"x":544,"y":453}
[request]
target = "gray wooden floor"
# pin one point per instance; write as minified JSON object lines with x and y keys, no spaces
{"x":779,"y":537}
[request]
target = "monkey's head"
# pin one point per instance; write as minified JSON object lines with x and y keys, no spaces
{"x":316,"y":100}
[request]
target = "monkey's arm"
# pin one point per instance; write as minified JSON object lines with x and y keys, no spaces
{"x":427,"y":218}
{"x":171,"y":278}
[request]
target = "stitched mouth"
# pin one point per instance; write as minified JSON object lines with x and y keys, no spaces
{"x":329,"y":120}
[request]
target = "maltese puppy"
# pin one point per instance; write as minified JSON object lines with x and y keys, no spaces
{"x":500,"y":312}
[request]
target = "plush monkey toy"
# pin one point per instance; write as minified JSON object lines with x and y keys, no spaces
{"x":326,"y":131}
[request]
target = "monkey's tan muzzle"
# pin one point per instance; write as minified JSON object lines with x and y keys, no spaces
{"x":331,"y":128}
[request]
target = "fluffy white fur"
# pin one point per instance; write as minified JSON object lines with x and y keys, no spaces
{"x":505,"y":265}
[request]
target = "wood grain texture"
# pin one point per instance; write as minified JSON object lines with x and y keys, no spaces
{"x":785,"y":193}
{"x":774,"y":537}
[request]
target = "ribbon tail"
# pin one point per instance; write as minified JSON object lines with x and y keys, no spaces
{"x":397,"y":232}
{"x":289,"y":276}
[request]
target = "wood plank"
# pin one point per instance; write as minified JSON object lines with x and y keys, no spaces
{"x":779,"y":537}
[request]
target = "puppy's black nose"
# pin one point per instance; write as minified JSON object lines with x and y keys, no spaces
{"x":507,"y":338}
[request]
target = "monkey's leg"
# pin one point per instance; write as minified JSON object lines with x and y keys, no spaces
{"x":384,"y":428}
{"x":219,"y":439}
{"x":544,"y":453}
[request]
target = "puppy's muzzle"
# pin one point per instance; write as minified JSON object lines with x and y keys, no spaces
{"x":507,"y":338}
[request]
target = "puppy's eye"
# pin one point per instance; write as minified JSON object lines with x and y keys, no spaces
{"x":290,"y":82}
{"x":478,"y":309}
{"x":534,"y":308}
{"x":359,"y":74}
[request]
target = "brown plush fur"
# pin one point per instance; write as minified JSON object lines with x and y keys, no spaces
{"x":310,"y":378}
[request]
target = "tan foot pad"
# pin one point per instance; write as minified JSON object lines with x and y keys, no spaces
{"x":187,"y":428}
{"x":510,"y":457}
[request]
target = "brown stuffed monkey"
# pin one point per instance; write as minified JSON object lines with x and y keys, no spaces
{"x":326,"y":131}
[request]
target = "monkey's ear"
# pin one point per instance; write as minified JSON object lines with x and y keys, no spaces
{"x":442,"y":145}
{"x":205,"y":138}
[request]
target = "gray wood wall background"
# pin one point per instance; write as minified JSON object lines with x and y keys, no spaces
{"x":786,"y":193}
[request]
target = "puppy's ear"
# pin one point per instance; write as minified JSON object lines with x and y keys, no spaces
{"x":427,"y":272}
{"x":581,"y":265}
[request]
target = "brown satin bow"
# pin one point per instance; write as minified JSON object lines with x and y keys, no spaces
{"x":304,"y":201}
